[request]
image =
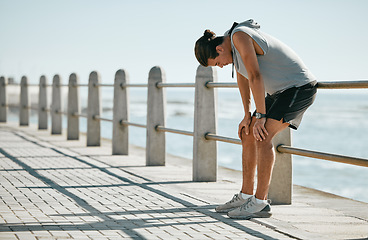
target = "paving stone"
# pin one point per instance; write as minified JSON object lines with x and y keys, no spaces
{"x":8,"y":236}
{"x":26,"y":236}
{"x":54,"y":189}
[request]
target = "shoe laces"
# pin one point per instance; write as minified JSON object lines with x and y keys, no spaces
{"x":249,"y":203}
{"x":235,"y":198}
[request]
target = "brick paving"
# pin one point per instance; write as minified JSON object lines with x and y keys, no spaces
{"x":51,"y":188}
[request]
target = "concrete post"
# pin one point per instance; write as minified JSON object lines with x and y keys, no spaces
{"x":204,"y":151}
{"x":73,"y":107}
{"x":56,"y":116}
{"x":42,"y":104}
{"x":94,"y":109}
{"x":120,"y":133}
{"x":281,"y":182}
{"x":156,"y":106}
{"x":3,"y":100}
{"x":24,"y":103}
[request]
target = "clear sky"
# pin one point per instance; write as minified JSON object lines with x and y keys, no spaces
{"x":60,"y":37}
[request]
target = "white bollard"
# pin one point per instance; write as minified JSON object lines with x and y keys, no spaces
{"x":120,"y":133}
{"x":24,"y":103}
{"x":73,"y":107}
{"x":205,"y":121}
{"x":56,"y":116}
{"x":3,"y":100}
{"x":280,"y":191}
{"x":93,"y":110}
{"x":42,"y":104}
{"x":156,"y":106}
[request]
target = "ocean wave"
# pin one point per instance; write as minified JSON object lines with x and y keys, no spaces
{"x":138,"y":102}
{"x":180,"y":102}
{"x":179,"y":114}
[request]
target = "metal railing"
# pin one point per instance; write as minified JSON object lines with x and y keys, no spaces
{"x":343,"y":84}
{"x":204,"y":134}
{"x":172,"y":130}
{"x":324,"y":156}
{"x":297,"y":151}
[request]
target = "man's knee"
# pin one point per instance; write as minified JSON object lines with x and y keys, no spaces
{"x":265,"y":144}
{"x":247,"y":138}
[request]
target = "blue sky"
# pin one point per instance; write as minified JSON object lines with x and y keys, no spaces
{"x":60,"y":37}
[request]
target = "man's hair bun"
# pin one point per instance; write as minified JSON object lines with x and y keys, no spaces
{"x":209,"y":35}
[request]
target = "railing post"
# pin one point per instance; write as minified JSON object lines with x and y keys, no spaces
{"x":94,"y":106}
{"x":282,"y":182}
{"x":156,"y":106}
{"x":42,"y":104}
{"x":56,"y":116}
{"x":204,"y":151}
{"x":24,"y":103}
{"x":120,"y":133}
{"x":73,"y":107}
{"x":3,"y":100}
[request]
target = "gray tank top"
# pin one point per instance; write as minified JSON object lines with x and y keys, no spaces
{"x":280,"y":66}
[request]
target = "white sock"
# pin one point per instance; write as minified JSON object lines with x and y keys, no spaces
{"x":260,"y":201}
{"x":245,"y":196}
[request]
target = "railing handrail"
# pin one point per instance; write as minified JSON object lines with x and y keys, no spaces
{"x":214,"y":137}
{"x":123,"y":122}
{"x":343,"y":84}
{"x":79,"y":115}
{"x":211,"y":136}
{"x":97,"y":117}
{"x":134,"y":85}
{"x":179,"y":85}
{"x":204,"y":134}
{"x":172,"y":130}
{"x":322,"y":155}
{"x":221,"y":84}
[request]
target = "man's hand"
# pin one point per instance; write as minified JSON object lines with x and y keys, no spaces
{"x":259,"y":130}
{"x":244,"y":124}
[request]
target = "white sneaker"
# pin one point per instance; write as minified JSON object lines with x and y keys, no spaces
{"x":251,"y":209}
{"x":237,"y":201}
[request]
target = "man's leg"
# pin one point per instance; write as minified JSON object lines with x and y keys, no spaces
{"x":266,"y":157}
{"x":255,"y":207}
{"x":249,"y":160}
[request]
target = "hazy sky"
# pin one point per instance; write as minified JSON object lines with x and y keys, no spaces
{"x":60,"y":37}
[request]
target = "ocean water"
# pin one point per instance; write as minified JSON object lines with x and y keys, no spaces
{"x":336,"y":123}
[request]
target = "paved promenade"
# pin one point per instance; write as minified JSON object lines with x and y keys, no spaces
{"x":51,"y":188}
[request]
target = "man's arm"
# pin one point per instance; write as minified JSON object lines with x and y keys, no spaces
{"x":243,"y":84}
{"x":246,"y":47}
{"x":244,"y":44}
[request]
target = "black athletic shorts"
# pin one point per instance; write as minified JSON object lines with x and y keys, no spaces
{"x":291,"y":104}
